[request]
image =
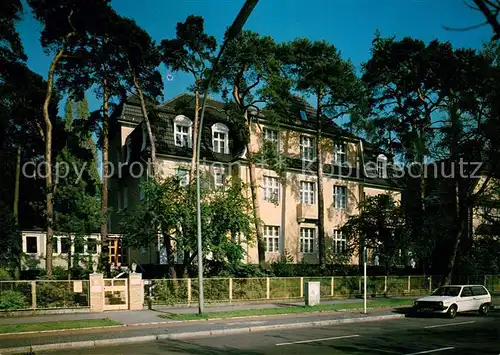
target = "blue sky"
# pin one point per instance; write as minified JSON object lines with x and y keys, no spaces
{"x":348,"y":24}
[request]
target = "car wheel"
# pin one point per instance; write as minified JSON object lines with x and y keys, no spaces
{"x":452,"y":311}
{"x":483,"y":310}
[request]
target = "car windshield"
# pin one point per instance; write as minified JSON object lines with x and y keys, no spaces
{"x":447,"y":291}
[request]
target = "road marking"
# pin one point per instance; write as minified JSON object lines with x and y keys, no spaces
{"x":448,"y":324}
{"x":432,"y":351}
{"x":322,"y":339}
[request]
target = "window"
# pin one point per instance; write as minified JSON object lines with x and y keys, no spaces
{"x":340,"y":197}
{"x":142,"y":180}
{"x":381,"y":166}
{"x":65,"y":245}
{"x":91,"y":246}
{"x":466,"y":292}
{"x":271,"y":136}
{"x":32,"y":245}
{"x":307,"y":240}
{"x":183,"y":131}
{"x":272,"y":239}
{"x":219,"y":177}
{"x":220,"y":138}
{"x":339,"y":242}
{"x":183,"y":176}
{"x":79,"y":246}
{"x":55,"y":245}
{"x":125,"y":197}
{"x":479,"y":291}
{"x":340,"y":153}
{"x":307,"y":193}
{"x":271,"y":188}
{"x":307,"y":149}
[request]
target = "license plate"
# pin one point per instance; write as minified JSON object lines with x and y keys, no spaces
{"x":427,"y":309}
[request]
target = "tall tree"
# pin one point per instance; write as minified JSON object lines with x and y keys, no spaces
{"x":64,"y":25}
{"x":250,"y":70}
{"x":320,"y":72}
{"x":191,"y":52}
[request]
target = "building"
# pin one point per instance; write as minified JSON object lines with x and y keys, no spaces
{"x":288,"y":209}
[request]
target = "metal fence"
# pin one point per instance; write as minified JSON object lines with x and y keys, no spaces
{"x":43,"y":294}
{"x":185,"y":291}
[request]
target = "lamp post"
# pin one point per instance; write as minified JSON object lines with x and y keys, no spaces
{"x":233,"y":31}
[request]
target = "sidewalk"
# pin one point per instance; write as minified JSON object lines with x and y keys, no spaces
{"x":25,"y":343}
{"x":151,"y":316}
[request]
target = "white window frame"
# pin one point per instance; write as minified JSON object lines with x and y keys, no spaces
{"x":307,"y":240}
{"x":307,"y":148}
{"x":340,"y":153}
{"x":272,"y":238}
{"x":308,"y":192}
{"x":25,"y":244}
{"x":185,"y":176}
{"x":60,"y":242}
{"x":272,"y":136}
{"x":339,"y":198}
{"x":382,"y":166}
{"x":339,"y":242}
{"x":220,"y":129}
{"x":181,"y":123}
{"x":219,"y":172}
{"x":271,"y":188}
{"x":86,"y":244}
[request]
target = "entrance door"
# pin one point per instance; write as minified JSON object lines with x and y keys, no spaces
{"x":115,"y":294}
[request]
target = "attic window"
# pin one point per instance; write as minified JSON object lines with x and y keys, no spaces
{"x":220,"y":138}
{"x":183,"y":131}
{"x":382,"y":166}
{"x":303,"y":115}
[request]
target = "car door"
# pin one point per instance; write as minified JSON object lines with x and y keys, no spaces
{"x":481,"y":296}
{"x":466,"y":300}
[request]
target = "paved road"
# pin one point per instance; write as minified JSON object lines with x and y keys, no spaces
{"x":467,"y":335}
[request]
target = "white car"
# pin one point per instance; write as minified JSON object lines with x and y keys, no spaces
{"x":452,"y":299}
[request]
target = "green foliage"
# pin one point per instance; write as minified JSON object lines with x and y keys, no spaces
{"x":380,"y":226}
{"x":12,"y":300}
{"x":10,"y":239}
{"x":5,"y":275}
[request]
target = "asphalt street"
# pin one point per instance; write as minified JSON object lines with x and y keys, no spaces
{"x":466,"y":334}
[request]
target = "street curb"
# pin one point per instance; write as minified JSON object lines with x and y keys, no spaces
{"x":189,"y":335}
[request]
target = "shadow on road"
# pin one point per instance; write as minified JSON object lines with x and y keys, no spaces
{"x":181,"y":347}
{"x":410,"y":313}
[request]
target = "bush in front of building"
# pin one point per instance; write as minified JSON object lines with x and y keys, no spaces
{"x":11,"y":300}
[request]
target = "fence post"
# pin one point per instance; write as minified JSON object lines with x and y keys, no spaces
{"x":485,"y":280}
{"x":301,"y":287}
{"x":332,"y":286}
{"x":189,"y":296}
{"x":230,"y":289}
{"x":430,"y":284}
{"x":268,"y":288}
{"x":385,"y":285}
{"x":33,"y":294}
{"x":409,"y":284}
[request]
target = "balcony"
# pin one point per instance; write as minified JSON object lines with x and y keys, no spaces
{"x":306,"y":212}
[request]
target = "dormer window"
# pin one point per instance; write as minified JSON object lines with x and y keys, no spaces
{"x":183,"y":131}
{"x":220,"y":138}
{"x":340,"y":153}
{"x":382,"y":166}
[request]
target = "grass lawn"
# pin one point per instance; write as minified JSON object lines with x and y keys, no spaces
{"x":287,"y":310}
{"x":72,"y":324}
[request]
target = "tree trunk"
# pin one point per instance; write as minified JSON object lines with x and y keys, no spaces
{"x":261,"y":248}
{"x":148,"y":126}
{"x":194,"y":140}
{"x":105,"y":175}
{"x":319,"y":174}
{"x":16,"y":187}
{"x":49,"y":207}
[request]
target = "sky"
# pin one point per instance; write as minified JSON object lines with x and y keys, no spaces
{"x":348,"y":24}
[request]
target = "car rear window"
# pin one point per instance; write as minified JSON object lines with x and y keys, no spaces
{"x":479,"y":291}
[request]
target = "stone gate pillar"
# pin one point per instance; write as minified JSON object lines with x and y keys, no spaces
{"x":135,"y":291}
{"x":96,"y":300}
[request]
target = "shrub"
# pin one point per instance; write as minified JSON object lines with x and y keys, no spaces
{"x":5,"y":275}
{"x":12,"y":300}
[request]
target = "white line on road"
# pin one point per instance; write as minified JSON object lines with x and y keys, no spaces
{"x":322,"y":339}
{"x":448,"y":324}
{"x":432,"y":351}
